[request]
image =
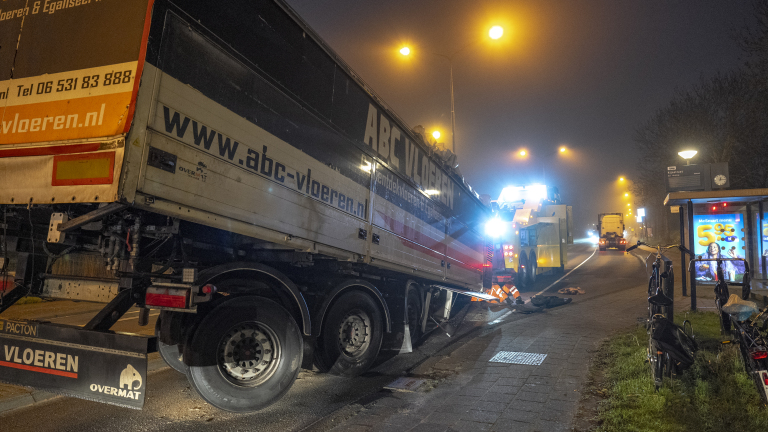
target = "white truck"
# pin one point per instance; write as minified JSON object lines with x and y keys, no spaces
{"x":219,"y":162}
{"x":611,"y":229}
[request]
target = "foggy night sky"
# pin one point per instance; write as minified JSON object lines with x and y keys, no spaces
{"x":584,"y":74}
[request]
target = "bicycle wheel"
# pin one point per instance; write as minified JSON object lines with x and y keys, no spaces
{"x":721,"y":298}
{"x":652,"y":309}
{"x":655,"y":360}
{"x":757,"y":369}
{"x":760,"y":376}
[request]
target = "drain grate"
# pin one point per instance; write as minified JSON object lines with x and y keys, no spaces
{"x":518,"y":358}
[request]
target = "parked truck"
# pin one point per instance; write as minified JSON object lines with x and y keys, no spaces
{"x":531,"y":229}
{"x":218,"y":162}
{"x":610,"y":226}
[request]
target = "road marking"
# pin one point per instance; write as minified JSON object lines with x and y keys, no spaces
{"x":566,"y":275}
{"x":123,"y":319}
{"x":498,"y":320}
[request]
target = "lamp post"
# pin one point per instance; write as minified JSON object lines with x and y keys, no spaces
{"x":495,"y":32}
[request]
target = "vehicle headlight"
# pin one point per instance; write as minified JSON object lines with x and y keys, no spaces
{"x":495,"y":227}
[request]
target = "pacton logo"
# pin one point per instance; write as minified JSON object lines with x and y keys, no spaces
{"x":130,"y":381}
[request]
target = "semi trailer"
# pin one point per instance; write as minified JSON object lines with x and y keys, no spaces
{"x":610,"y":226}
{"x":220,"y":163}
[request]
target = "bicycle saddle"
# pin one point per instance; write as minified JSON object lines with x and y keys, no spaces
{"x":660,"y":300}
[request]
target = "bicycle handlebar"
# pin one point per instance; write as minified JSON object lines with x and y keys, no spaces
{"x":719,"y":262}
{"x":660,"y":248}
{"x":718,"y":259}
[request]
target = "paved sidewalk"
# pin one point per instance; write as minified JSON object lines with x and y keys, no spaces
{"x":479,"y":395}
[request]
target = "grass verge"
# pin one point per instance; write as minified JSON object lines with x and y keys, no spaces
{"x":715,"y":394}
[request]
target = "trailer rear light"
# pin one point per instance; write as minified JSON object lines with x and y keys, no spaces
{"x":765,"y":378}
{"x":188,"y":275}
{"x":207,"y":289}
{"x":163,"y":297}
{"x":759,"y":355}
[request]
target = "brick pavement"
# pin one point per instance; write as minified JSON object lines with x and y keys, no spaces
{"x":478,"y":395}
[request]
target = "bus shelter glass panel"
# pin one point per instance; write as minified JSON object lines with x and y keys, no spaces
{"x":761,"y":241}
{"x":719,"y":231}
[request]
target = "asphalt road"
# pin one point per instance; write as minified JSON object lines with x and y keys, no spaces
{"x":316,"y":401}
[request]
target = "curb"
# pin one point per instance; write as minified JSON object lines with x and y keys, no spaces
{"x":37,"y":396}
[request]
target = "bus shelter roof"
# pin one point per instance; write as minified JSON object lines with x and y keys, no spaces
{"x":704,"y":197}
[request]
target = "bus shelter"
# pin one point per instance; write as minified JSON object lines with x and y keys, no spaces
{"x":728,"y":223}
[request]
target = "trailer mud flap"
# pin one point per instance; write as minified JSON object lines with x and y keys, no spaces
{"x":99,"y":366}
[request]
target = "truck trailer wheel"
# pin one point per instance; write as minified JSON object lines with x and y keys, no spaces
{"x":413,"y":311}
{"x":353,"y":329}
{"x":533,"y":268}
{"x":521,"y":280}
{"x":171,"y":354}
{"x":244,"y":355}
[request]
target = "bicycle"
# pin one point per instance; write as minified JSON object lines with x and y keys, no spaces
{"x":658,"y":323}
{"x":753,"y":346}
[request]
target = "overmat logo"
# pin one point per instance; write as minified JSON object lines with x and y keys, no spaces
{"x":130,"y":382}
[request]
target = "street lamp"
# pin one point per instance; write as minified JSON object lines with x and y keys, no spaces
{"x":687,"y":154}
{"x":436,"y":135}
{"x":495,"y":33}
{"x":561,"y":151}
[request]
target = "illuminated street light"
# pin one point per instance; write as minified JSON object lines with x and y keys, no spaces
{"x":496,"y":32}
{"x":436,"y":134}
{"x":687,"y":154}
{"x":523,"y":153}
{"x":621,"y":178}
{"x":562,"y":149}
{"x":626,"y":194}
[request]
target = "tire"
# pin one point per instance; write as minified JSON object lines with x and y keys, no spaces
{"x":522,"y":272}
{"x":351,"y":336}
{"x":721,"y":297}
{"x":656,"y":361}
{"x":533,"y":267}
{"x":171,"y":354}
{"x":414,"y":306}
{"x":652,"y":309}
{"x":753,"y":368}
{"x":256,"y":328}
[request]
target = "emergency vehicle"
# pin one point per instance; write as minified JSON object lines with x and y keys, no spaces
{"x":531,"y":229}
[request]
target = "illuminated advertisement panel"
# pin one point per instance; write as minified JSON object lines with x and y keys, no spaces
{"x":722,"y":236}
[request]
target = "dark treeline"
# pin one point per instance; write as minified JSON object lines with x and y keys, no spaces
{"x":724,"y":117}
